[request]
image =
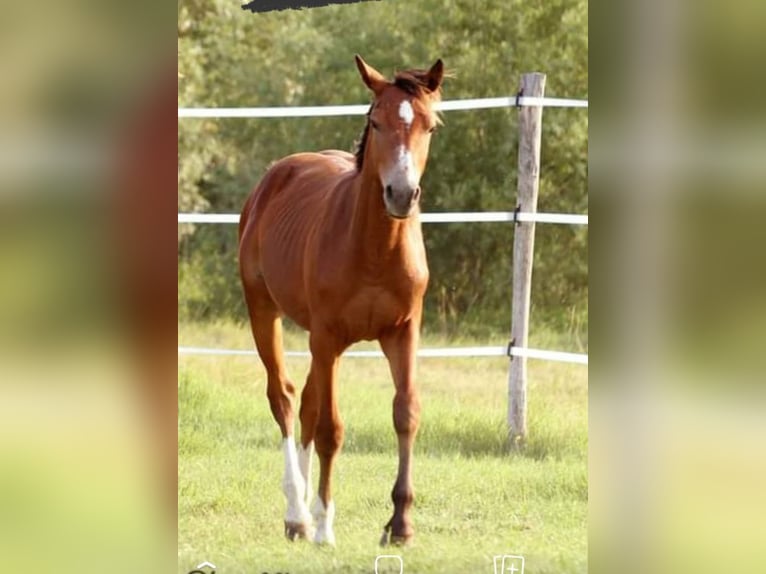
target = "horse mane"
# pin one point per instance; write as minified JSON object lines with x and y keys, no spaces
{"x":415,"y":83}
{"x":361,"y":143}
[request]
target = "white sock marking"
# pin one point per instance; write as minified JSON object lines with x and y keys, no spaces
{"x":294,"y":486}
{"x":305,"y":456}
{"x":406,"y":112}
{"x":324,"y":518}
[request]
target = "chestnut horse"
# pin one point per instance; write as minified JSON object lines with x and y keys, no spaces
{"x":333,"y":241}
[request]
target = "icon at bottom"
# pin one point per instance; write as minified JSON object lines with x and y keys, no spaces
{"x":389,"y":564}
{"x":508,"y":564}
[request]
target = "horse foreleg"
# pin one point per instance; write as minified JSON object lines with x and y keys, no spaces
{"x":298,"y":523}
{"x":267,"y":332}
{"x":329,"y":433}
{"x":400,"y":349}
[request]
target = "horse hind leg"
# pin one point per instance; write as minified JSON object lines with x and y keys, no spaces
{"x":267,"y":331}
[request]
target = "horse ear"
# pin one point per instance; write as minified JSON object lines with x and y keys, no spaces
{"x":436,"y":75}
{"x":372,"y":78}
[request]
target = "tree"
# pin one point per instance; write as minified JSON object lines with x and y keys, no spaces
{"x":233,"y":58}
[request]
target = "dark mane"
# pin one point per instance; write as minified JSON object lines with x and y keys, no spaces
{"x":415,"y":83}
{"x":361,"y":144}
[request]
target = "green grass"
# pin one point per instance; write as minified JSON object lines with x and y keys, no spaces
{"x":474,"y":497}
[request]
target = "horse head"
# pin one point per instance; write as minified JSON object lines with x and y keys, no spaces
{"x":398,"y":133}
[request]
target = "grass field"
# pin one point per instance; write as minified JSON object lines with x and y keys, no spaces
{"x":474,"y":498}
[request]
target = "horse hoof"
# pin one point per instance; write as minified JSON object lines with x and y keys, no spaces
{"x":391,"y":539}
{"x":324,"y":540}
{"x":401,"y":540}
{"x":324,"y":536}
{"x":296,"y":530}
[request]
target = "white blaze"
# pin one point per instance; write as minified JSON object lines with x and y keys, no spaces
{"x":406,"y":112}
{"x":401,"y":174}
{"x":406,"y":167}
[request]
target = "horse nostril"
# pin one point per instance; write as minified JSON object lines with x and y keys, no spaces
{"x":416,"y":194}
{"x":389,"y":192}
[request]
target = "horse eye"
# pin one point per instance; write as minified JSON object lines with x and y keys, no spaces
{"x":432,"y":130}
{"x":374,"y":125}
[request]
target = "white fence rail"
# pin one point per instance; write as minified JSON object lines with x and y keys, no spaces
{"x":361,"y":109}
{"x":542,"y":354}
{"x":455,"y":217}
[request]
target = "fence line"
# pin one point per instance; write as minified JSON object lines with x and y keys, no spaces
{"x":454,"y":217}
{"x":361,"y":109}
{"x":530,"y":119}
{"x":542,"y":354}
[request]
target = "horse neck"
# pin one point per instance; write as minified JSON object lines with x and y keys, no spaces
{"x":378,"y":233}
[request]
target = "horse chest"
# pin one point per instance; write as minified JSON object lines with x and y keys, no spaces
{"x":372,"y":309}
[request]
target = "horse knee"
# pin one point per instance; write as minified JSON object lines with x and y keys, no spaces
{"x":281,"y":403}
{"x":280,"y":395}
{"x":329,"y":437}
{"x":308,"y":410}
{"x":406,"y":413}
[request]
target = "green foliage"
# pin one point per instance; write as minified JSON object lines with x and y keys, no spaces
{"x":231,"y":58}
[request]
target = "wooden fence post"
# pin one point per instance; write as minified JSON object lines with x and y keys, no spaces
{"x":530,"y":131}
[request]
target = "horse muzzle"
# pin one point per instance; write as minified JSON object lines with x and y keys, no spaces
{"x":401,"y":202}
